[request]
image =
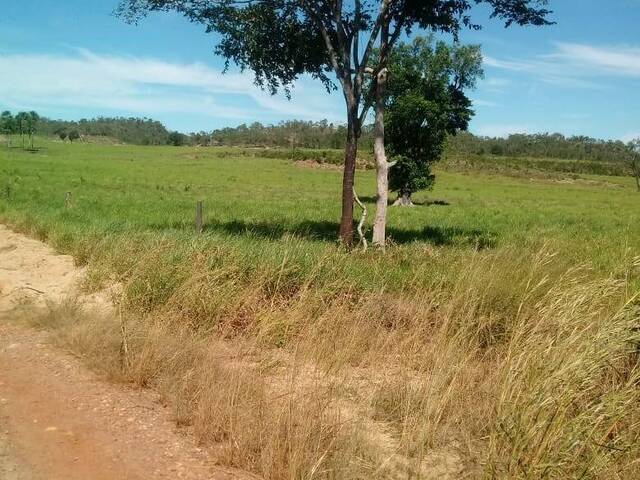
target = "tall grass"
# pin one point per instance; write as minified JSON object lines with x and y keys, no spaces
{"x":511,"y":368}
{"x":497,"y":338}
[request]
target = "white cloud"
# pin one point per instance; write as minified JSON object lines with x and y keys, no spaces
{"x":485,"y":103}
{"x":144,"y":86}
{"x":496,"y":84}
{"x":630,"y":136}
{"x":622,"y":60}
{"x":543,"y":70}
{"x":575,"y":65}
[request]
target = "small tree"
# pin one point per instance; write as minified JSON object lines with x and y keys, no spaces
{"x":425,"y":103}
{"x":73,"y":135}
{"x":409,"y":175}
{"x":22,"y":122}
{"x":32,"y":119}
{"x":7,"y":125}
{"x":176,"y":139}
{"x":634,"y":147}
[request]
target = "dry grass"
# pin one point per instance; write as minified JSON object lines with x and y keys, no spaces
{"x":512,"y":368}
{"x":468,"y":350}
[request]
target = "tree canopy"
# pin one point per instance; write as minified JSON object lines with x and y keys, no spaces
{"x":279,"y":40}
{"x":426,"y":102}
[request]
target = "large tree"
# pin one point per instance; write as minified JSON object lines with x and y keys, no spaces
{"x":425,"y":103}
{"x":279,"y":40}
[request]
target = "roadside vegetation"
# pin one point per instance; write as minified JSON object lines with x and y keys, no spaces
{"x":496,"y":337}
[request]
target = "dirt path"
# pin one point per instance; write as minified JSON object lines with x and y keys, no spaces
{"x":58,"y":421}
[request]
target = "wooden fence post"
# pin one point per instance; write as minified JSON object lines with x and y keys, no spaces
{"x":199,"y":225}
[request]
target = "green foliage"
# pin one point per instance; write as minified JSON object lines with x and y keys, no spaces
{"x":177,"y":139}
{"x":600,"y":157}
{"x":533,"y":165}
{"x":279,"y":40}
{"x":426,"y":103}
{"x":317,"y":37}
{"x":24,"y":123}
{"x":410,"y":175}
{"x":7,"y":123}
{"x":541,"y":145}
{"x":292,"y":134}
{"x":73,"y":135}
{"x":32,"y":125}
{"x":136,"y":131}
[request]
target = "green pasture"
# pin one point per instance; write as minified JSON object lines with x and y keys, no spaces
{"x":264,"y":209}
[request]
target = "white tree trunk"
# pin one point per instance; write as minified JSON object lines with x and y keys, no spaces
{"x":403,"y":200}
{"x":380,"y":220}
{"x":382,"y":167}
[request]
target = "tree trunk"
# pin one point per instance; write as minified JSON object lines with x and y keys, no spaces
{"x":382,"y":166}
{"x":350,"y":155}
{"x":403,"y":200}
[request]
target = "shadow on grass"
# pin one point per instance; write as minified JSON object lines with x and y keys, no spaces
{"x":27,"y":149}
{"x":327,"y":232}
{"x":426,"y":203}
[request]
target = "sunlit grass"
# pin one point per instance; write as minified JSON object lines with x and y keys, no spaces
{"x":497,"y":332}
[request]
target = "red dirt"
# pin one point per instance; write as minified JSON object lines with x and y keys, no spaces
{"x":59,"y":421}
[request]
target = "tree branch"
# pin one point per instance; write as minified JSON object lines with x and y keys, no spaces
{"x":363,"y":238}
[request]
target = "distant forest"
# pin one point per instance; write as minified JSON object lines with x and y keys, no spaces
{"x":326,"y":135}
{"x":136,"y":131}
{"x":542,"y":145}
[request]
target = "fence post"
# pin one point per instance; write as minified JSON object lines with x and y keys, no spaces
{"x":199,"y":225}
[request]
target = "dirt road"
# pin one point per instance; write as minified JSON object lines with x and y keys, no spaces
{"x":58,"y":421}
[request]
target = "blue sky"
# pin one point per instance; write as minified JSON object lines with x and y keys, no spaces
{"x":73,"y":59}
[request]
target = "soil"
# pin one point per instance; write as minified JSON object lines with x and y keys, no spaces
{"x":58,"y":420}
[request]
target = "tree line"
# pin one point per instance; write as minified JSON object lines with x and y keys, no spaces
{"x":326,"y":135}
{"x":293,"y":134}
{"x":135,"y":131}
{"x":306,"y":134}
{"x":23,"y":124}
{"x":543,"y":145}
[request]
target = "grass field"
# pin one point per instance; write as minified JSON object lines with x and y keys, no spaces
{"x":497,"y":333}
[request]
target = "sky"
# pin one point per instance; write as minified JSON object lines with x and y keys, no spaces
{"x":74,"y":59}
